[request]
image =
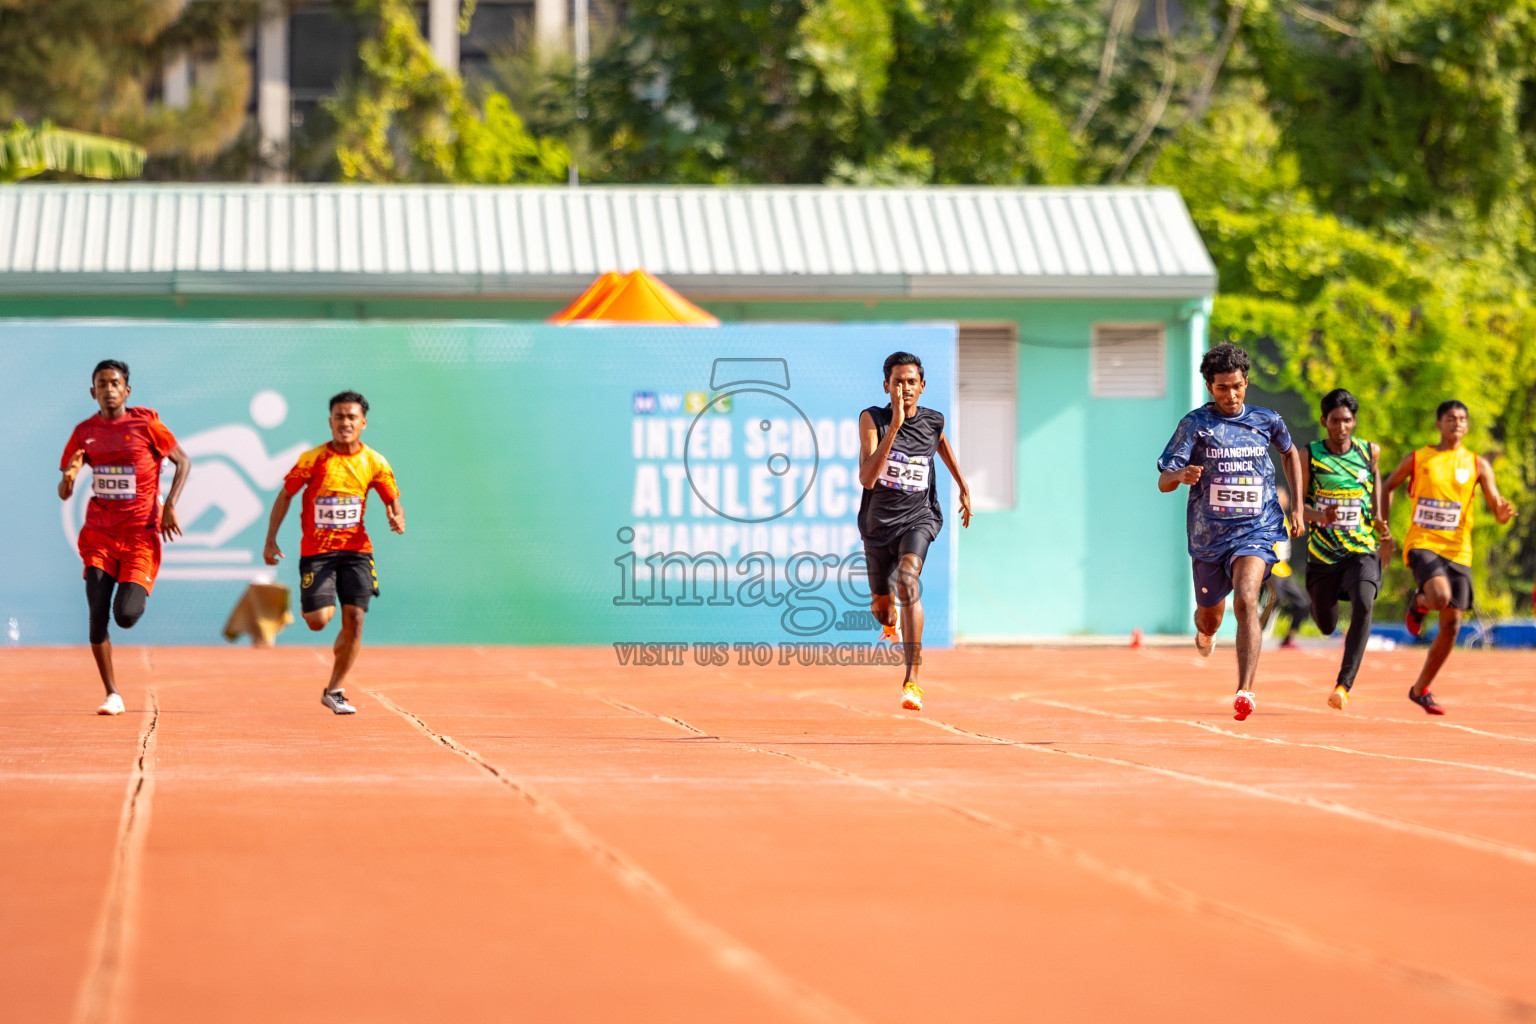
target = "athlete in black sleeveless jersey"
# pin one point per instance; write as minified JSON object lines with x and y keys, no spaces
{"x":899,"y":513}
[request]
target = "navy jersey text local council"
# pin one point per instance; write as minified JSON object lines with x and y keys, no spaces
{"x":1235,"y":504}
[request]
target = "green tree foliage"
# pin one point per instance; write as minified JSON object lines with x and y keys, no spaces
{"x":401,"y":117}
{"x":96,"y":65}
{"x":810,"y":90}
{"x":26,"y":152}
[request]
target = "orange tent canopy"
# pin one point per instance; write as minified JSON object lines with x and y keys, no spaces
{"x":637,"y":297}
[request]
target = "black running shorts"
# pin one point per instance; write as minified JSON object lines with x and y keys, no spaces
{"x":348,"y":575}
{"x":1426,"y":565}
{"x":883,"y":559}
{"x":1328,"y":583}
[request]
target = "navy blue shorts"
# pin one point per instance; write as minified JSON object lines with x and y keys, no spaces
{"x":1213,"y":580}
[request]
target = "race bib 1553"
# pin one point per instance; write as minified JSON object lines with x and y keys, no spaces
{"x":114,"y":483}
{"x":1436,"y":514}
{"x":338,"y":512}
{"x":906,"y":472}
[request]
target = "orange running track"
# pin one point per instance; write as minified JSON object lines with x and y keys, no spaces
{"x":513,"y":834}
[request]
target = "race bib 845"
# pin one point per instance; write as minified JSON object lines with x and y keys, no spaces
{"x":906,"y":472}
{"x":338,"y":512}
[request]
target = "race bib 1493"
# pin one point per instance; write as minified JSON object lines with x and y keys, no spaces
{"x":338,"y":512}
{"x":906,"y":472}
{"x":114,"y":483}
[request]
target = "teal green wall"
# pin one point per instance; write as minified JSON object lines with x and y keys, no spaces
{"x":1090,"y":546}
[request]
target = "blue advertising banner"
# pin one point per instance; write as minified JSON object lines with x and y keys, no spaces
{"x":561,"y":485}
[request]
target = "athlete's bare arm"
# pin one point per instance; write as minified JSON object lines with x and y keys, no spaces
{"x":67,"y":484}
{"x":1169,"y":479}
{"x":396,"y":513}
{"x":873,"y":452}
{"x":947,"y":453}
{"x":1379,"y":513}
{"x":1326,"y":516}
{"x":271,"y":552}
{"x":1290,"y":461}
{"x":1503,"y":511}
{"x":1403,"y":471}
{"x":169,"y":527}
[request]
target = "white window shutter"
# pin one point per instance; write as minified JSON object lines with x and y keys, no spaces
{"x":1129,"y":361}
{"x":986,"y":432}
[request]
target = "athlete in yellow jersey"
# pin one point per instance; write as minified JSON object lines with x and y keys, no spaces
{"x":1441,"y":481}
{"x":336,"y":556}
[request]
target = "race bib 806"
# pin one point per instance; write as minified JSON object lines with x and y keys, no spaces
{"x":1236,"y":495}
{"x":1435,"y":514}
{"x":338,"y":512}
{"x":114,"y":483}
{"x":906,"y":472}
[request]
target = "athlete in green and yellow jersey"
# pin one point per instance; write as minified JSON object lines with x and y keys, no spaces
{"x":1343,"y":488}
{"x":1442,"y":480}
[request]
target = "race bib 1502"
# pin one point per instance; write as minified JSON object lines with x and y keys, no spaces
{"x":1435,"y":514}
{"x":1236,"y":495}
{"x":338,"y":512}
{"x":906,"y":472}
{"x":114,"y":483}
{"x":1351,"y":514}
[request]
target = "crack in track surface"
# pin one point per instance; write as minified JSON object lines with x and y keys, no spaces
{"x":1149,"y":887}
{"x":727,"y":952}
{"x":102,"y":991}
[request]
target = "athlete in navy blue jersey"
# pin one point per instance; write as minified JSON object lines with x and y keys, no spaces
{"x":1236,"y":527}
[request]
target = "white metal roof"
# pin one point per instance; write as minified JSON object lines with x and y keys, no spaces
{"x":737,"y":242}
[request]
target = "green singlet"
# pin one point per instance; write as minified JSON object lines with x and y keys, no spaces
{"x":1346,"y":481}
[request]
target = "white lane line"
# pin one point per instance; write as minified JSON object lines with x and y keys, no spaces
{"x":1222,"y":731}
{"x":1434,"y":723}
{"x":1470,"y":842}
{"x":730,"y":954}
{"x":1149,"y":887}
{"x":103,"y":991}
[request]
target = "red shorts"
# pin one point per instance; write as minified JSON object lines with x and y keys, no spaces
{"x":131,"y":557}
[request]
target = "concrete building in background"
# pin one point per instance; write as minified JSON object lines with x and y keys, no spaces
{"x":298,"y":54}
{"x":1082,"y":315}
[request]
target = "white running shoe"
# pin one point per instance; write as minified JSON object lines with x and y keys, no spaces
{"x":113,"y":705}
{"x":1244,"y":704}
{"x":336,"y":700}
{"x":1204,"y":644}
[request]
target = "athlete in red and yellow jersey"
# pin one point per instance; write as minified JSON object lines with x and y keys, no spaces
{"x":336,"y":556}
{"x":1442,"y":479}
{"x":125,"y":520}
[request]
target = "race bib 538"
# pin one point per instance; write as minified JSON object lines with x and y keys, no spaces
{"x":1236,"y":495}
{"x":114,"y":483}
{"x":338,"y":512}
{"x":906,"y":472}
{"x":1435,"y":514}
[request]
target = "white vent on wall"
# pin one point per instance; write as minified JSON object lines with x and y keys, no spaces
{"x":986,"y":435}
{"x":1129,"y":361}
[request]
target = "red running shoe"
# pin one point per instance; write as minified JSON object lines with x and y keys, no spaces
{"x":1244,"y":704}
{"x":1426,"y":700}
{"x":1414,"y":620}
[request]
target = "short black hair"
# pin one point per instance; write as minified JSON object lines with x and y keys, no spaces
{"x":1224,"y":358}
{"x":349,"y":396}
{"x":1449,"y":404}
{"x":110,"y":364}
{"x":896,"y":359}
{"x":1339,"y":397}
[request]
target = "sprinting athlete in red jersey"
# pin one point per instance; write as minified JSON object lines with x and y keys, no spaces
{"x":125,"y":521}
{"x":336,"y":556}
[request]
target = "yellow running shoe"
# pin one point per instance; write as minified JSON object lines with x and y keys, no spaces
{"x":1338,"y":698}
{"x":911,"y":697}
